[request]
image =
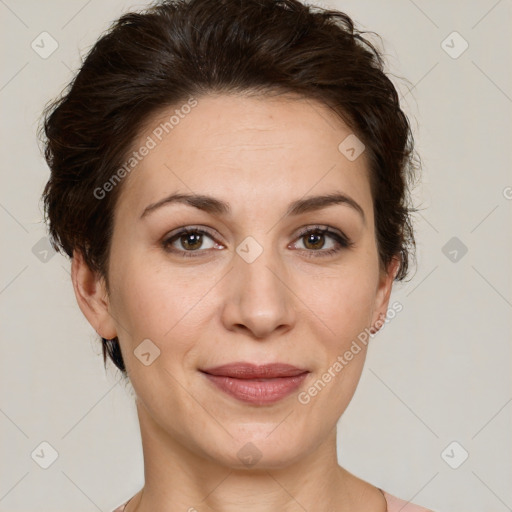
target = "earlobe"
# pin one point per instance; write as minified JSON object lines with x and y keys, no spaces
{"x":92,"y":297}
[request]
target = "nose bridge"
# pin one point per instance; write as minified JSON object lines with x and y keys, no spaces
{"x":259,"y":298}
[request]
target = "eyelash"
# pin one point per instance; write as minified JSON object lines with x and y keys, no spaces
{"x":342,"y":241}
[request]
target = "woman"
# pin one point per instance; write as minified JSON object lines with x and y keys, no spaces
{"x":231,"y":180}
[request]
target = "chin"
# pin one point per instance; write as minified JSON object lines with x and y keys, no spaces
{"x":259,"y":448}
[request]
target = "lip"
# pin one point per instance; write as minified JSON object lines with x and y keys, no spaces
{"x":256,"y":384}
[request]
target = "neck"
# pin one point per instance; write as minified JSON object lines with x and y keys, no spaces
{"x":176,"y":478}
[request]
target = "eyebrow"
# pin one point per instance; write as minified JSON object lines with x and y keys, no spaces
{"x":214,"y":206}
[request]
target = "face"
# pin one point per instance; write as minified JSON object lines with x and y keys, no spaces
{"x":262,"y":276}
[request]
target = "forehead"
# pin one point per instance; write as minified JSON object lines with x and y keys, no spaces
{"x":245,"y":148}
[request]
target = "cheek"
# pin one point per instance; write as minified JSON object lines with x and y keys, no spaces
{"x":344,"y":307}
{"x":159,"y":303}
{"x":344,"y":302}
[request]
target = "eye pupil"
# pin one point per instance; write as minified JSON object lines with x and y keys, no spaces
{"x":188,"y":240}
{"x":314,"y":238}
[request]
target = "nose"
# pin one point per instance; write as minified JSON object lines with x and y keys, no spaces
{"x":258,"y":298}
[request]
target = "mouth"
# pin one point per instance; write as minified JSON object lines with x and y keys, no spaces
{"x":258,"y":385}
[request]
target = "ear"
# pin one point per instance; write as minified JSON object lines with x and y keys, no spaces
{"x":91,"y":295}
{"x":383,"y":294}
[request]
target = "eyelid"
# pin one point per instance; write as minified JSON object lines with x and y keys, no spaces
{"x":325,"y":230}
{"x":183,"y":230}
{"x":191,"y":228}
{"x":302,"y":231}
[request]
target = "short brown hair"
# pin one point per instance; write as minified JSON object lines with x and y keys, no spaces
{"x":176,"y":49}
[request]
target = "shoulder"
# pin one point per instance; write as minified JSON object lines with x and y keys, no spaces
{"x":398,"y":505}
{"x":122,"y":507}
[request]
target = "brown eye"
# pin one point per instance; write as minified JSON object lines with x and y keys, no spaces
{"x":314,"y":241}
{"x":190,"y":242}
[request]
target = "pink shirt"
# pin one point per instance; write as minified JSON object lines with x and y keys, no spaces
{"x":394,"y":505}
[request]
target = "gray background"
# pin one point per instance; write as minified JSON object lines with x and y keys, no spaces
{"x":438,"y":373}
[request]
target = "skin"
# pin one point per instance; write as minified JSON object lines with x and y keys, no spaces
{"x":258,"y":154}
